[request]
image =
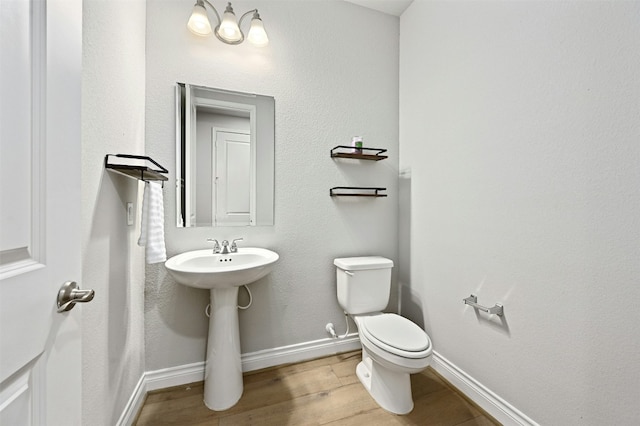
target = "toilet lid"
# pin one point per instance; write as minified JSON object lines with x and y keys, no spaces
{"x":396,"y":332}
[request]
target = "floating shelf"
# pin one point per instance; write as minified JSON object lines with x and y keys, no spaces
{"x":345,"y":151}
{"x":356,"y":191}
{"x":136,"y":166}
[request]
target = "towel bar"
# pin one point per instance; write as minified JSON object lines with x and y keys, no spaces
{"x":473,"y":301}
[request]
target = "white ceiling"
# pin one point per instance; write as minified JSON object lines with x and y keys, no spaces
{"x":391,"y":7}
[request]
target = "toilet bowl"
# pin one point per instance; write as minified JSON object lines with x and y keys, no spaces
{"x":393,"y":347}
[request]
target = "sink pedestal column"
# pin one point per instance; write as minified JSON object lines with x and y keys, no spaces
{"x":223,"y":370}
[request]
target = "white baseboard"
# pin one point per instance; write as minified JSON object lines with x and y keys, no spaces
{"x":497,"y":407}
{"x":174,"y":376}
{"x":299,"y":352}
{"x":134,"y":404}
{"x":189,"y":373}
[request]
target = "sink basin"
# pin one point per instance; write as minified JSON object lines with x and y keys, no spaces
{"x":204,"y":269}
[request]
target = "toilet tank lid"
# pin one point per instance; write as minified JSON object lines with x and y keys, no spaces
{"x":363,"y":262}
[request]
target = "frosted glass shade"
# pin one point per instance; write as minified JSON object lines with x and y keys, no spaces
{"x":229,"y":30}
{"x":199,"y":21}
{"x":257,"y":35}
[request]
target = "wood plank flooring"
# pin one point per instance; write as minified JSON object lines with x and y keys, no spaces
{"x":324,"y":391}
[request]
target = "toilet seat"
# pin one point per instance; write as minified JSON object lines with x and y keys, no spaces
{"x":396,"y":335}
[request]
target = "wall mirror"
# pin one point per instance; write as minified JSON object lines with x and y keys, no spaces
{"x":225,"y":157}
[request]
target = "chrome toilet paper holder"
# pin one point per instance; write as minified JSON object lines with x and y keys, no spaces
{"x":472,"y":300}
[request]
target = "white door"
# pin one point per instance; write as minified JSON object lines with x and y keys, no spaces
{"x":40,"y":77}
{"x":233,"y":178}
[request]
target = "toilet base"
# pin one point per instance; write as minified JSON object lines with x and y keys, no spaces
{"x":390,"y":389}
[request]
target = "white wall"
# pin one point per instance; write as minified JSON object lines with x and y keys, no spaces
{"x":113,"y":88}
{"x":520,"y":126}
{"x":333,"y":70}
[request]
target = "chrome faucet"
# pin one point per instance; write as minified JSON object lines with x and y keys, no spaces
{"x":216,"y":245}
{"x":224,"y":248}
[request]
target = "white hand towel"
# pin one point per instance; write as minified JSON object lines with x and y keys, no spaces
{"x":152,"y":223}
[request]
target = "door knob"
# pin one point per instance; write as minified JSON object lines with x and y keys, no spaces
{"x":70,"y":294}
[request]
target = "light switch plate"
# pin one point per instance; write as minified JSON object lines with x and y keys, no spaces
{"x":130,"y":214}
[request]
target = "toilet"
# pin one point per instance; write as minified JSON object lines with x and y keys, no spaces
{"x":393,"y":347}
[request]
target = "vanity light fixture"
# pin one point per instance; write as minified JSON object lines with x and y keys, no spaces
{"x":228,"y":29}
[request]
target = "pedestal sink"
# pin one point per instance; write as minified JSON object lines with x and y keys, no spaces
{"x":223,"y":274}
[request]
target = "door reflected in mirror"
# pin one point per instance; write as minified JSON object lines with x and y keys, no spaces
{"x":225,"y":157}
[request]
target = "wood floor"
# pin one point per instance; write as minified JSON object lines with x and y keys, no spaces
{"x":320,"y":392}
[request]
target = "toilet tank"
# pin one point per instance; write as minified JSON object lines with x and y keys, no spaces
{"x":363,"y":283}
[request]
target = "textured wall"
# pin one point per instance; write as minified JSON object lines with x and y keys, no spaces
{"x":112,"y":264}
{"x":520,"y":127}
{"x":333,"y":70}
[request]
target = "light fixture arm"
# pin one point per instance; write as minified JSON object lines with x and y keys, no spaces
{"x":212,"y":7}
{"x":254,"y":11}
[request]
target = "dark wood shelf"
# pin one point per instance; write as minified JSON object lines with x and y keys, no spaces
{"x":345,"y":151}
{"x":135,"y":166}
{"x":356,"y":191}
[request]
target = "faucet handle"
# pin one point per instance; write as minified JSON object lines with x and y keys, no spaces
{"x":234,"y":246}
{"x":216,"y":245}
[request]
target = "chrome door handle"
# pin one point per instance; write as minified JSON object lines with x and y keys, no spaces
{"x":70,"y":294}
